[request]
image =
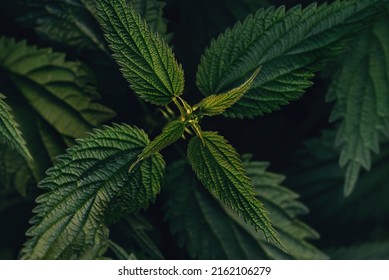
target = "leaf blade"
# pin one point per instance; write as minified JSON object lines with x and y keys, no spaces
{"x":360,"y":90}
{"x":219,"y":168}
{"x":83,"y":185}
{"x":290,"y":45}
{"x":54,"y":99}
{"x":216,"y":104}
{"x":173,"y":131}
{"x":208,"y":231}
{"x":145,"y":59}
{"x":9,"y":130}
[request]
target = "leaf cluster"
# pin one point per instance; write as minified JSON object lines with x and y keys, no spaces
{"x":103,"y":189}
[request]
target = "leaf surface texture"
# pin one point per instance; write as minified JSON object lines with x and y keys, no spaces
{"x":145,"y":59}
{"x":208,"y":231}
{"x":9,"y":130}
{"x":290,"y":45}
{"x":82,"y":187}
{"x":220,"y":169}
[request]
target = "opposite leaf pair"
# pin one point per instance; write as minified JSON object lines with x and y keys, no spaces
{"x":91,"y":185}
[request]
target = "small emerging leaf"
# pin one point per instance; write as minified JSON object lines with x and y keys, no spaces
{"x":289,"y":44}
{"x":219,"y":168}
{"x":170,"y":134}
{"x":145,"y":59}
{"x":9,"y":130}
{"x":217,"y":103}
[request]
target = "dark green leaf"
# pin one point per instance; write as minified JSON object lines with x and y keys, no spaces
{"x":53,"y":99}
{"x":290,"y":46}
{"x":65,"y":23}
{"x":82,"y":187}
{"x":219,"y":168}
{"x":136,"y":235}
{"x":145,"y":59}
{"x":74,"y":23}
{"x":9,"y":130}
{"x":208,"y":231}
{"x":361,"y":92}
{"x":370,"y":250}
{"x":317,"y":176}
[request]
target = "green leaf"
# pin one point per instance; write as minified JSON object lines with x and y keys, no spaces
{"x":53,"y":100}
{"x":361,"y":92}
{"x":145,"y":59}
{"x":290,"y":46}
{"x":219,"y":168}
{"x":74,"y":23}
{"x":9,"y":130}
{"x":65,"y":23}
{"x":152,"y":12}
{"x":172,"y":132}
{"x":136,"y":234}
{"x":370,"y":250}
{"x":208,"y":230}
{"x":96,"y":252}
{"x":362,"y":216}
{"x":14,"y":172}
{"x":217,"y":103}
{"x":317,"y":176}
{"x":119,"y":252}
{"x":82,"y":187}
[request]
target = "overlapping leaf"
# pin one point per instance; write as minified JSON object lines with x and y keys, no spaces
{"x":290,"y":45}
{"x":361,"y":92}
{"x":318,"y":177}
{"x":370,"y":250}
{"x":53,"y":99}
{"x":74,"y":23}
{"x":145,"y":59}
{"x":82,"y":187}
{"x":14,"y":172}
{"x":219,"y":168}
{"x":9,"y":130}
{"x":136,"y":232}
{"x":210,"y":231}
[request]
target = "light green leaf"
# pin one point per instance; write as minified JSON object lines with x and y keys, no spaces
{"x":208,"y":230}
{"x":9,"y":130}
{"x":172,"y":132}
{"x":53,"y":100}
{"x":361,"y":92}
{"x":219,"y":168}
{"x":83,"y":186}
{"x":145,"y":59}
{"x":290,"y":46}
{"x":217,"y":103}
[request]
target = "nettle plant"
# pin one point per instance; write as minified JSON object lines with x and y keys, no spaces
{"x":217,"y":203}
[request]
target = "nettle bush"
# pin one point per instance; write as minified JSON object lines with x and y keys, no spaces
{"x":70,"y":125}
